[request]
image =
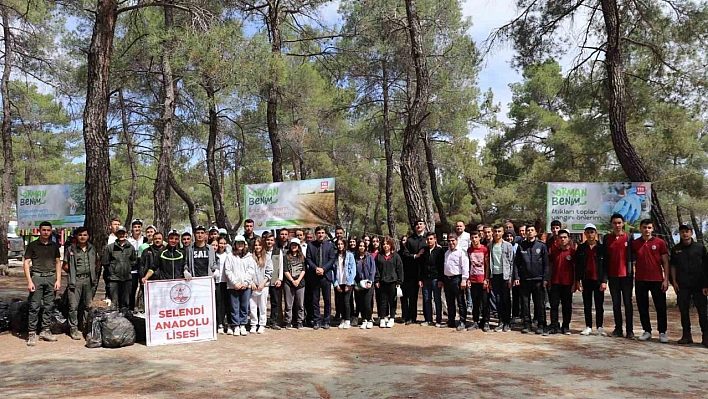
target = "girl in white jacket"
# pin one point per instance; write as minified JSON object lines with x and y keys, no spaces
{"x":223,"y":301}
{"x":262,"y":274}
{"x":239,"y":269}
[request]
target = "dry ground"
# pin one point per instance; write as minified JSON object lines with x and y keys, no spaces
{"x":403,"y":362}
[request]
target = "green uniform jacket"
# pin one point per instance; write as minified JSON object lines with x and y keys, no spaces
{"x":71,"y":260}
{"x":118,"y":260}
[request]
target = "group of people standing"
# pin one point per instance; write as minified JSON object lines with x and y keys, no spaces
{"x":494,"y":267}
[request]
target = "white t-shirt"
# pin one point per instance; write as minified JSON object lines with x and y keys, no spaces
{"x":464,"y":241}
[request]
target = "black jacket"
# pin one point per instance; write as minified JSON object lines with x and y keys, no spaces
{"x":432,"y":263}
{"x":170,"y":263}
{"x":389,"y":271}
{"x":531,"y":261}
{"x":581,"y":261}
{"x":691,"y":264}
{"x":148,"y":259}
{"x":411,"y":266}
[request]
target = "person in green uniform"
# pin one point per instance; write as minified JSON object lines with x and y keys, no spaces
{"x":42,"y":267}
{"x":80,"y":262}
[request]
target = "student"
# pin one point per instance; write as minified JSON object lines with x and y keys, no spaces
{"x":248,"y":233}
{"x":618,"y":262}
{"x":487,"y":237}
{"x":275,"y":291}
{"x":562,"y":284}
{"x":511,"y":238}
{"x":80,"y":262}
{"x":42,"y":267}
{"x":531,"y":274}
{"x":320,"y":275}
{"x":221,"y":294}
{"x":363,"y":289}
{"x":552,"y":240}
{"x":456,"y":271}
{"x":430,"y":271}
{"x":201,"y":261}
{"x":351,"y":246}
{"x":478,"y":283}
{"x":651,"y":275}
{"x":136,"y":239}
{"x":169,"y":264}
{"x":119,"y":259}
{"x":239,"y":270}
{"x":262,"y":274}
{"x":375,"y":246}
{"x":592,"y":279}
{"x":294,"y":268}
{"x":345,"y":270}
{"x":689,"y":274}
{"x":501,"y":262}
{"x":149,"y":232}
{"x":411,"y":256}
{"x":389,"y":277}
{"x":213,"y":233}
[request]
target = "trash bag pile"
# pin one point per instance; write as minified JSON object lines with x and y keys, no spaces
{"x":109,"y":329}
{"x":4,"y":316}
{"x":58,"y":324}
{"x":19,"y":316}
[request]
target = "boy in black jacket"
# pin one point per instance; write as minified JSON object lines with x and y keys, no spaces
{"x":592,"y":278}
{"x":531,"y":273}
{"x":689,"y":274}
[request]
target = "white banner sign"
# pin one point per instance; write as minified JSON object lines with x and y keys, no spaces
{"x":179,"y":311}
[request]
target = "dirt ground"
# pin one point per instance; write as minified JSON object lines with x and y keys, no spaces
{"x":402,"y":362}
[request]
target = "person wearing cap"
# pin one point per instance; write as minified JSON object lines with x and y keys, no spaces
{"x":149,"y":231}
{"x":213,"y":233}
{"x":169,"y":265}
{"x":119,"y":260}
{"x":431,"y":269}
{"x":501,"y":262}
{"x":248,"y":233}
{"x":294,"y":268}
{"x":562,"y":282}
{"x":531,"y":274}
{"x":239,"y":269}
{"x":412,"y":258}
{"x":136,"y":239}
{"x":186,"y":240}
{"x":689,"y":274}
{"x":320,"y":275}
{"x":651,"y":274}
{"x":591,"y":275}
{"x":201,"y":260}
{"x":619,"y":263}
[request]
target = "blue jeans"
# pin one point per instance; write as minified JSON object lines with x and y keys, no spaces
{"x":468,"y":297}
{"x":430,"y":291}
{"x":239,"y":306}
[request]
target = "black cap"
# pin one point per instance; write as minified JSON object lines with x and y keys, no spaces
{"x":200,"y":227}
{"x":419,"y":221}
{"x":685,"y":227}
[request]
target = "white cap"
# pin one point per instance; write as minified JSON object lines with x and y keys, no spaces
{"x":295,"y":241}
{"x":590,"y":226}
{"x":240,"y":238}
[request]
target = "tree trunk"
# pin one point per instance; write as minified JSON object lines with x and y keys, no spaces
{"x":697,"y":228}
{"x":412,"y":189}
{"x":8,"y":171}
{"x":430,"y":160}
{"x":425,"y":187}
{"x":377,"y":209}
{"x":98,"y":166}
{"x":388,"y":151}
{"x":632,"y":165}
{"x":130,"y":152}
{"x":161,"y":197}
{"x":191,"y":206}
{"x":475,"y":196}
{"x":367,"y":219}
{"x":678,"y":215}
{"x":215,"y":185}
{"x":273,"y":21}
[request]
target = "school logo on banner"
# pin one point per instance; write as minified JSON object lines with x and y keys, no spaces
{"x":180,"y":293}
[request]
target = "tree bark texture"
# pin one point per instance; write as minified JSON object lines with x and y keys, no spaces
{"x":475,"y":198}
{"x":632,"y":165}
{"x":412,"y":185}
{"x":161,"y":197}
{"x":98,"y":167}
{"x":191,"y":206}
{"x":273,"y":22}
{"x":430,"y":161}
{"x":8,"y":171}
{"x":130,"y":152}
{"x":217,"y":195}
{"x":388,"y":150}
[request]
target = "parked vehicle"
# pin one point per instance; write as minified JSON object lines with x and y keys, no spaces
{"x":15,"y":243}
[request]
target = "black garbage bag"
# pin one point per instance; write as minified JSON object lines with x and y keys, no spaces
{"x":117,"y":331}
{"x":4,"y":316}
{"x":19,"y":316}
{"x":138,"y":321}
{"x":58,"y":324}
{"x":94,"y":337}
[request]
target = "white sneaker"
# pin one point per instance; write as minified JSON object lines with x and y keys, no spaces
{"x":347,"y":325}
{"x":341,"y":325}
{"x":363,"y":325}
{"x":586,"y":331}
{"x":254,"y":328}
{"x":601,"y":332}
{"x":382,"y":323}
{"x":645,"y":336}
{"x":220,"y":329}
{"x":369,"y":325}
{"x":234,"y":332}
{"x":663,"y":338}
{"x":243,"y":330}
{"x":390,"y":323}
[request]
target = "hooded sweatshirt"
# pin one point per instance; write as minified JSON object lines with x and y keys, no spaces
{"x":239,"y":270}
{"x":219,"y":274}
{"x":265,"y":272}
{"x":197,"y":272}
